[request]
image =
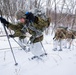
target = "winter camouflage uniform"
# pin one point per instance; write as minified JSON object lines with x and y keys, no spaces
{"x":63,"y":33}
{"x":35,"y":29}
{"x":17,"y":29}
{"x":60,"y":33}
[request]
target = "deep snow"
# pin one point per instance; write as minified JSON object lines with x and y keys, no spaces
{"x":56,"y":62}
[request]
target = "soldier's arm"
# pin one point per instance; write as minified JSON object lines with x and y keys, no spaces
{"x":17,"y":29}
{"x":15,"y":26}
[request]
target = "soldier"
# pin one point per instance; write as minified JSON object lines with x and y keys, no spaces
{"x":59,"y":35}
{"x":62,"y":33}
{"x":33,"y":25}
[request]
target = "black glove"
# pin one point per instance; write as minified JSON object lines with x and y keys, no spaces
{"x":22,"y":31}
{"x":12,"y":36}
{"x":3,"y":21}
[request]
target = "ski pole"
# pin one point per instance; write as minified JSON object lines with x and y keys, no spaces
{"x":10,"y":44}
{"x":9,"y":40}
{"x":43,"y":47}
{"x":18,"y":44}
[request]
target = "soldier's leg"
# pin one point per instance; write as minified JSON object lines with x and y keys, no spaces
{"x":23,"y":43}
{"x":60,"y":45}
{"x":64,"y":43}
{"x":70,"y":44}
{"x":36,"y":49}
{"x":38,"y":39}
{"x":55,"y":45}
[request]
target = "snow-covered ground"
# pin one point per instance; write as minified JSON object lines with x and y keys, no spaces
{"x":55,"y":63}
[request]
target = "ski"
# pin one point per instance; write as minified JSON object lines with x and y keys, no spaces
{"x":7,"y":48}
{"x":38,"y":58}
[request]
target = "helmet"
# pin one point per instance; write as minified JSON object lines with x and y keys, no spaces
{"x":20,"y":14}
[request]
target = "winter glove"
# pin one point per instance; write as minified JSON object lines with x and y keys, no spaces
{"x":3,"y":21}
{"x":22,"y":31}
{"x":12,"y":36}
